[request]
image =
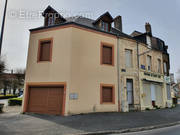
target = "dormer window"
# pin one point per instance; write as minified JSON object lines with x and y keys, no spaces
{"x":104,"y":22}
{"x":148,"y":41}
{"x":104,"y":26}
{"x":52,"y":17}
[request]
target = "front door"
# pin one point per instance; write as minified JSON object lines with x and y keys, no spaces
{"x":129,"y":85}
{"x":153,"y":94}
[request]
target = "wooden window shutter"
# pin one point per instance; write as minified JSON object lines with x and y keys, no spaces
{"x":107,"y":55}
{"x":45,"y":48}
{"x":107,"y":94}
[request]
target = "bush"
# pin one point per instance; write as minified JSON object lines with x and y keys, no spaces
{"x":15,"y":101}
{"x":1,"y":108}
{"x":7,"y":96}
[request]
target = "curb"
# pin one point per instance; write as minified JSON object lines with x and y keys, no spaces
{"x":131,"y":129}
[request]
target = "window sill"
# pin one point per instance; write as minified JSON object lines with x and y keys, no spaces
{"x":107,"y":65}
{"x":107,"y":103}
{"x":44,"y":61}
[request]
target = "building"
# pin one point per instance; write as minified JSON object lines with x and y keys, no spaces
{"x":154,"y":69}
{"x":79,"y":65}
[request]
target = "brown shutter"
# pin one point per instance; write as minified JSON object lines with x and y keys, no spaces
{"x":107,"y":95}
{"x":107,"y":55}
{"x":45,"y":51}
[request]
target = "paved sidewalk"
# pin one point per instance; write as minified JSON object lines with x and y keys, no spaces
{"x":18,"y":124}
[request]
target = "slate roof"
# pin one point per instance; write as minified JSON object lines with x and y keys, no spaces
{"x":89,"y":23}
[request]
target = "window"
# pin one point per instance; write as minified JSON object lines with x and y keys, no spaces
{"x":107,"y":54}
{"x":128,"y":58}
{"x":149,"y":63}
{"x":45,"y":50}
{"x":51,"y":20}
{"x":148,"y":39}
{"x":159,"y":66}
{"x":104,"y":26}
{"x":107,"y":94}
{"x":165,"y":67}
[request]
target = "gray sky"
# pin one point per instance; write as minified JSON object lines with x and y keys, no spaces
{"x":162,"y":14}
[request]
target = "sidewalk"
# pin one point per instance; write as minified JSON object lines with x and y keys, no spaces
{"x":97,"y":122}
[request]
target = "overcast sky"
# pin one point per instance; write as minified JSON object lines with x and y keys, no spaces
{"x":163,"y":15}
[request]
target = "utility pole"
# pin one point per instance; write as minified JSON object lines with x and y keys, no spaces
{"x":2,"y":28}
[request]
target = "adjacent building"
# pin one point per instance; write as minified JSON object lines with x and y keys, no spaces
{"x":79,"y":65}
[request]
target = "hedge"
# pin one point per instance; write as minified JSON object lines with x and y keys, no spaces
{"x":1,"y":108}
{"x":15,"y":101}
{"x":7,"y":96}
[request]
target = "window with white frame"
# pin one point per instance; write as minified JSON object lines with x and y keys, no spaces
{"x":159,"y":66}
{"x":128,"y":58}
{"x":165,"y":67}
{"x":149,"y":63}
{"x":148,"y":40}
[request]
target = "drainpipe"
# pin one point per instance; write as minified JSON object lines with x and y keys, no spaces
{"x":138,"y":64}
{"x":118,"y":73}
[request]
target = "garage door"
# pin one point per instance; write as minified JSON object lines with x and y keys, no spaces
{"x":46,"y":100}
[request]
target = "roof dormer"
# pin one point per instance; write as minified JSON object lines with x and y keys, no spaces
{"x":104,"y":22}
{"x":52,"y":17}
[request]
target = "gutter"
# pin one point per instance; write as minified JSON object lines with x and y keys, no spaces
{"x":118,"y":73}
{"x":138,"y":64}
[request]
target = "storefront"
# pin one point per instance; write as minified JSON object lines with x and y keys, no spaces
{"x":152,"y":90}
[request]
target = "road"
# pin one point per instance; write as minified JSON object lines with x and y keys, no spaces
{"x":175,"y":130}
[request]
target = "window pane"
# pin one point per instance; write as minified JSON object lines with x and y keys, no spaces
{"x":107,"y":55}
{"x":165,"y":67}
{"x":149,"y":62}
{"x":107,"y":94}
{"x":159,"y":65}
{"x":104,"y":26}
{"x":128,"y":55}
{"x":148,"y":41}
{"x":45,"y":51}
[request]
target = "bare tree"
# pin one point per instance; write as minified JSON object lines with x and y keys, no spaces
{"x":20,"y":77}
{"x":178,"y":75}
{"x":3,"y":82}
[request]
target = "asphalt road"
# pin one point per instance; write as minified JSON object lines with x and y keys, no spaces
{"x":175,"y":130}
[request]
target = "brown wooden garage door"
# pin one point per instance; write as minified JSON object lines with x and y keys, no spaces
{"x":46,"y":100}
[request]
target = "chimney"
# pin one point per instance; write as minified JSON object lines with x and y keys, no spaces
{"x":118,"y":23}
{"x":148,"y":29}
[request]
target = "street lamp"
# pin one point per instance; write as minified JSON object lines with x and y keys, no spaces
{"x":2,"y":28}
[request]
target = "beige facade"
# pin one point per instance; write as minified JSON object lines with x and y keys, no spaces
{"x":76,"y":61}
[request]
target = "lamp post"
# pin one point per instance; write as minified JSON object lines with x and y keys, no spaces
{"x":2,"y":28}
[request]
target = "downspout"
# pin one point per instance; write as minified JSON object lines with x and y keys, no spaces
{"x":138,"y":64}
{"x":118,"y":77}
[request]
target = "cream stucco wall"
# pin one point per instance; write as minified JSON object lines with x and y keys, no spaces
{"x":87,"y":73}
{"x":76,"y":61}
{"x":59,"y":69}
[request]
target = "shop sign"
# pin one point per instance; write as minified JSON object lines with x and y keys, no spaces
{"x":152,"y":75}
